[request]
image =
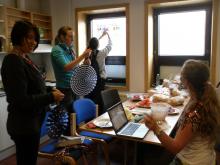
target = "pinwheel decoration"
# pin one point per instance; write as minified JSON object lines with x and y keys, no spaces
{"x":83,"y":80}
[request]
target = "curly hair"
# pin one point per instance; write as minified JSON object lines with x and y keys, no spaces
{"x":197,"y":75}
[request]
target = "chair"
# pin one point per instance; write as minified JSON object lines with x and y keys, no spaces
{"x":110,"y":97}
{"x":50,"y":151}
{"x":86,"y":110}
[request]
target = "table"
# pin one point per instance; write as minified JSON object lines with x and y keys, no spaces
{"x":150,"y":137}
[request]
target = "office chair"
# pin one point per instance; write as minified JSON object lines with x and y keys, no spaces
{"x":86,"y":110}
{"x":50,"y":151}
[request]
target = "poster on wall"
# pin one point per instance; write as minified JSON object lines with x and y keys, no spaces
{"x":116,"y":27}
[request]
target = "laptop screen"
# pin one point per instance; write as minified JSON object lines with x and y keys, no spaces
{"x":117,"y":116}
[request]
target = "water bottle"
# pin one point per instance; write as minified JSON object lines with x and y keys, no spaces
{"x":158,"y":79}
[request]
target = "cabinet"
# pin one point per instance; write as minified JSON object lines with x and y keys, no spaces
{"x":9,"y":15}
{"x":2,"y":29}
{"x":5,"y":140}
{"x":44,"y":24}
{"x":13,"y":15}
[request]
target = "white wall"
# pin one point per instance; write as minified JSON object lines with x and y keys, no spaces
{"x":8,"y":2}
{"x":136,"y":31}
{"x":62,"y":14}
{"x":67,"y":17}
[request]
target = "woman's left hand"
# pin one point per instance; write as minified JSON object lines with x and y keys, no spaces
{"x":87,"y":61}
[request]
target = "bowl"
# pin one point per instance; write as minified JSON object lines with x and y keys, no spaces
{"x":159,"y":111}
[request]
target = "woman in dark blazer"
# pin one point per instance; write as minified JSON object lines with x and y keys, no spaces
{"x":26,"y":93}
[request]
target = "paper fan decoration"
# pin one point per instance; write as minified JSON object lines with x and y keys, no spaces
{"x":57,"y":122}
{"x":83,"y":80}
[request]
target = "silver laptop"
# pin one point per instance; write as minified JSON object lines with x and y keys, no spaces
{"x":121,"y":124}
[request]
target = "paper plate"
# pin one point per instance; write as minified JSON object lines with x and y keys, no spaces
{"x":103,"y":123}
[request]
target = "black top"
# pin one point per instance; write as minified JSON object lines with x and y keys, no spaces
{"x":26,"y":95}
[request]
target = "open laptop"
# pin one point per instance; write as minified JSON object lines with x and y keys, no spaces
{"x":121,"y":124}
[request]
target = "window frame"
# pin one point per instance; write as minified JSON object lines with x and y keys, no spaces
{"x":110,"y":60}
{"x":179,"y":60}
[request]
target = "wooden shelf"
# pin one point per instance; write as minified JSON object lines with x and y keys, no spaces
{"x":10,"y":15}
{"x":40,"y":20}
{"x":18,"y":16}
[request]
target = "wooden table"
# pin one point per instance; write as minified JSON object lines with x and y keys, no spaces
{"x":150,"y":138}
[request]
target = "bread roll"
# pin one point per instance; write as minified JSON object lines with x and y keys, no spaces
{"x":176,"y":101}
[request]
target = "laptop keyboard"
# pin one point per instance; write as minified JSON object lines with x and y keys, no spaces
{"x":130,"y":129}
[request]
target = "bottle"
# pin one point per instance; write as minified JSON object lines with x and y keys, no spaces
{"x":158,"y":79}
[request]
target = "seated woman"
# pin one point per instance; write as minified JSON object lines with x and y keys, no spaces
{"x":196,"y":135}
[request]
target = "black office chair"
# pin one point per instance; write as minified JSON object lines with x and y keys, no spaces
{"x":110,"y":97}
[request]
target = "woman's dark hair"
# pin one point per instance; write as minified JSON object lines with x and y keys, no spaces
{"x":20,"y":31}
{"x":62,"y":32}
{"x":93,"y":43}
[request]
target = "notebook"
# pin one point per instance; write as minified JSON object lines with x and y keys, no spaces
{"x":122,"y":126}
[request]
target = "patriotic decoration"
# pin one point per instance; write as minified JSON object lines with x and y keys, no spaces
{"x":83,"y":80}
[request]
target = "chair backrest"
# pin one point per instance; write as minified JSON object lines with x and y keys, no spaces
{"x":85,"y":110}
{"x":110,"y":97}
{"x":44,"y":126}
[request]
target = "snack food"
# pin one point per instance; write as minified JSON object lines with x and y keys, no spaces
{"x":144,"y":103}
{"x":175,"y":101}
{"x":160,"y":98}
{"x":175,"y":92}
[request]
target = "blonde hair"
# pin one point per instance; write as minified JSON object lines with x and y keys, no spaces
{"x":62,"y":32}
{"x":197,"y":75}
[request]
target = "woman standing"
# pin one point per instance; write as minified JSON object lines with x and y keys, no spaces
{"x":97,"y":61}
{"x":26,"y":93}
{"x":195,"y":138}
{"x":64,"y":60}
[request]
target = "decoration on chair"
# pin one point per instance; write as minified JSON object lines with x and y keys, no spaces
{"x":83,"y":80}
{"x":57,"y":121}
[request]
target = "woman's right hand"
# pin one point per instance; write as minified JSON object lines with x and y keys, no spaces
{"x":87,"y":53}
{"x":57,"y":95}
{"x":150,"y":123}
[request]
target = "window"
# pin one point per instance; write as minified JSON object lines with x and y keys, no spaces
{"x":181,"y":33}
{"x":115,"y":23}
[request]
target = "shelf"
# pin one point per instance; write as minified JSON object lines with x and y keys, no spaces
{"x":18,"y":16}
{"x":46,"y":28}
{"x":3,"y":36}
{"x":11,"y":15}
{"x":41,"y":20}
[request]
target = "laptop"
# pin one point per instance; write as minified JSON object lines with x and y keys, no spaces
{"x":122,"y":126}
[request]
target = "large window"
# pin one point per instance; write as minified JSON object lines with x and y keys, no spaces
{"x":115,"y":23}
{"x":181,"y":33}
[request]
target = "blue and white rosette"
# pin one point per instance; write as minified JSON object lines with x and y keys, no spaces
{"x":57,"y":122}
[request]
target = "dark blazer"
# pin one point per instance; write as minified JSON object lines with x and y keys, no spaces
{"x":26,"y":95}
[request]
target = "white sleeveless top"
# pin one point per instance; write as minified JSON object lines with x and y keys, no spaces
{"x":198,"y":152}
